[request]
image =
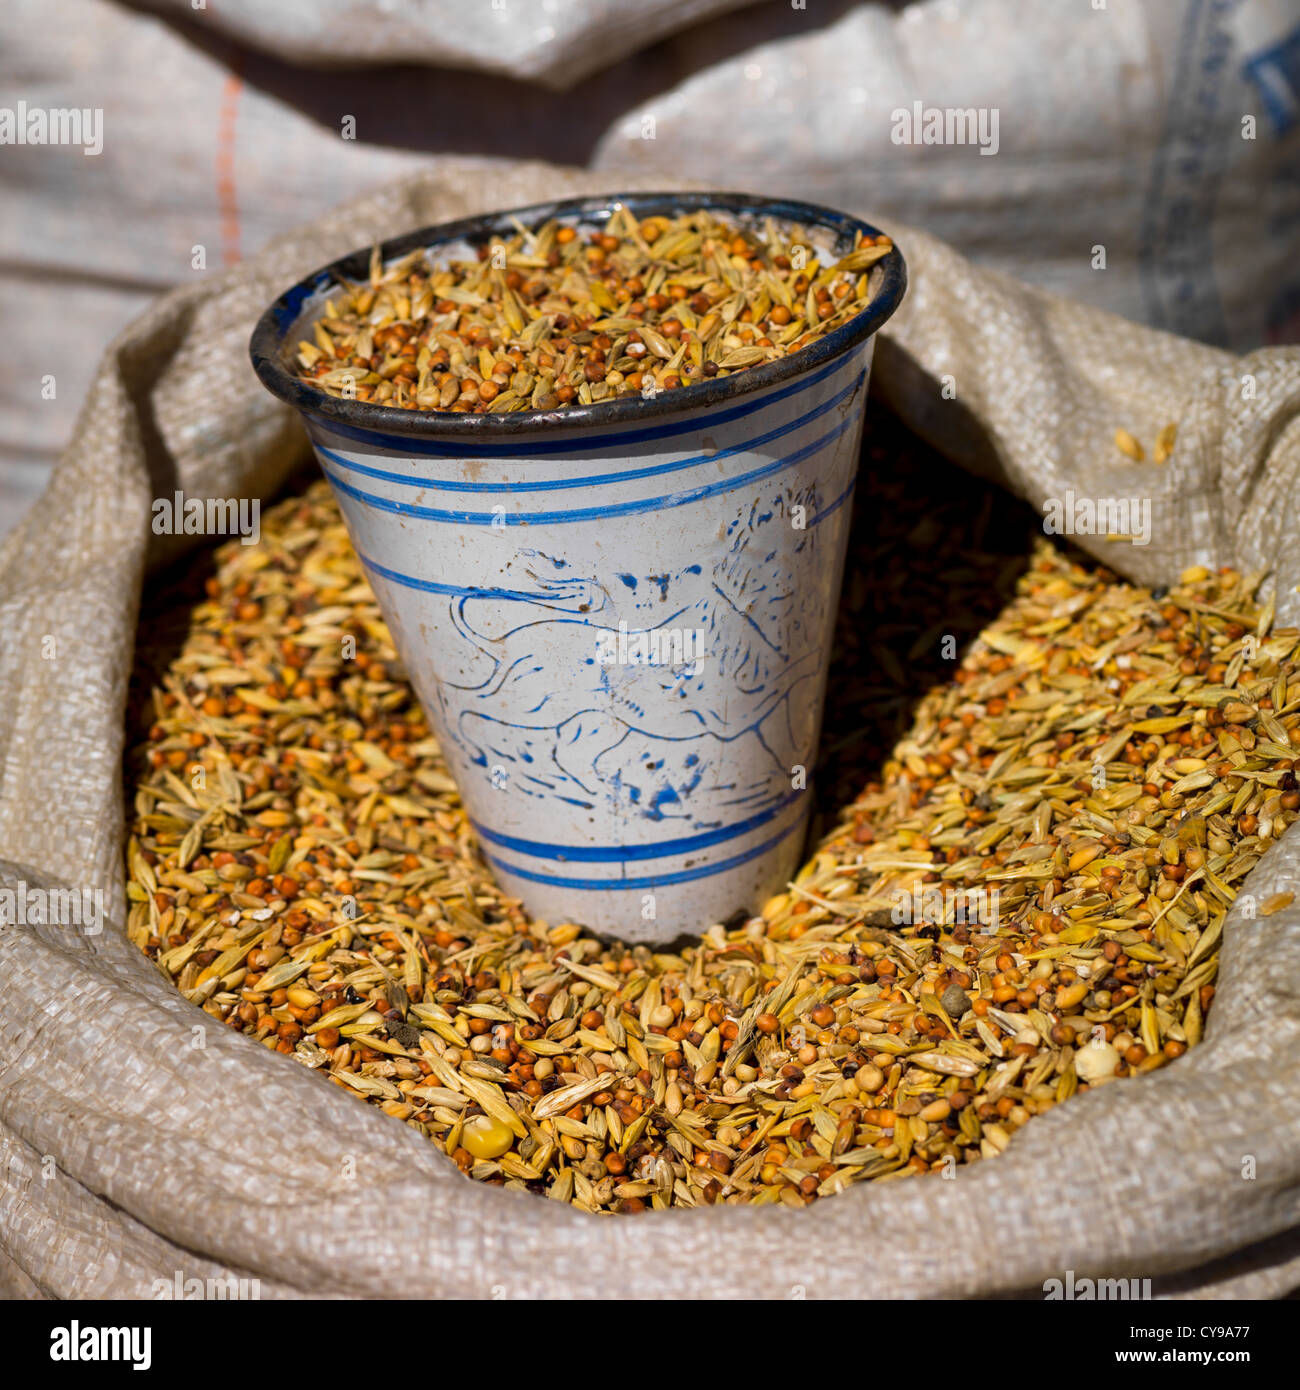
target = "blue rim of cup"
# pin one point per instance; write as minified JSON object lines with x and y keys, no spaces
{"x":267,"y":347}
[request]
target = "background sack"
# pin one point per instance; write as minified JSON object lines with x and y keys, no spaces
{"x":129,"y":1156}
{"x":1118,"y":128}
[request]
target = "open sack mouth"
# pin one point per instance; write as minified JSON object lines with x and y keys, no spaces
{"x":1013,"y":896}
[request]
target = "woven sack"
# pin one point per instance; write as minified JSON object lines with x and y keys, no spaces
{"x":130,"y":1157}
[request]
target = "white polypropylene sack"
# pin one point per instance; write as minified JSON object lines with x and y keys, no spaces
{"x":1165,"y":135}
{"x":1119,"y":132}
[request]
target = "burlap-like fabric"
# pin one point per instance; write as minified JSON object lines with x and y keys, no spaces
{"x":129,"y":1156}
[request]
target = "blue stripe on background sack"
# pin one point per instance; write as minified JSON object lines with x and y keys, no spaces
{"x":407,"y":445}
{"x":649,"y":504}
{"x":649,"y":881}
{"x":593,"y":479}
{"x":1175,"y":241}
{"x":1275,"y":71}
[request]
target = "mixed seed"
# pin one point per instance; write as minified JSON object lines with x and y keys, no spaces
{"x":562,"y":316}
{"x":1110,"y":761}
{"x":1160,"y":453}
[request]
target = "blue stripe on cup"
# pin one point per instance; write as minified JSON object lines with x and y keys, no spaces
{"x":683,"y":498}
{"x":646,"y":881}
{"x":614,"y":854}
{"x":411,"y":445}
{"x":433,"y":586}
{"x":592,"y":479}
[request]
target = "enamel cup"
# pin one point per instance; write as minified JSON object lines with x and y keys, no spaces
{"x":618,"y":617}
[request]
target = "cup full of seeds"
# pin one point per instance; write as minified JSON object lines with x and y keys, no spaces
{"x":597,"y":459}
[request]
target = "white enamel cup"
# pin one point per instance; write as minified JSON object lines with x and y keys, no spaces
{"x":618,"y":617}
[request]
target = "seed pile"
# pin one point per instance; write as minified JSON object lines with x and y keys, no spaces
{"x":562,"y":316}
{"x":1109,"y":761}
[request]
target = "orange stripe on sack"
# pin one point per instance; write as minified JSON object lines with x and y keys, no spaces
{"x":227,"y":197}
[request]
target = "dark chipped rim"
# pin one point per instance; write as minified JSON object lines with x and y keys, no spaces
{"x":267,"y":344}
